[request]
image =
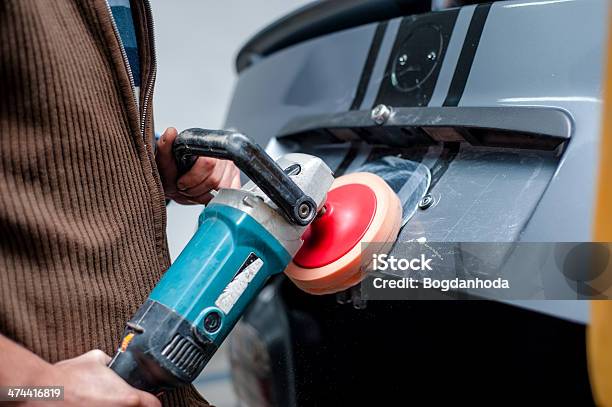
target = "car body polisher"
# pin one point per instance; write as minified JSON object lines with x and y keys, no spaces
{"x":360,"y":209}
{"x":291,"y":208}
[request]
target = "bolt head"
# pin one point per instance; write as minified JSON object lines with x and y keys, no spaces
{"x":426,"y":202}
{"x":304,"y":211}
{"x":380,"y":114}
{"x":432,"y":56}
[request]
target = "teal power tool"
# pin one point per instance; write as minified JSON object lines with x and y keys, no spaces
{"x":244,"y":237}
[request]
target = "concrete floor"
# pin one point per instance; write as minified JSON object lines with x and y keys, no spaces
{"x":196,"y":45}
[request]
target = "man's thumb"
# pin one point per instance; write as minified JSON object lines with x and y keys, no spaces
{"x":165,"y":159}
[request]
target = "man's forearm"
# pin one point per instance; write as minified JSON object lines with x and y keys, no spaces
{"x":19,"y":367}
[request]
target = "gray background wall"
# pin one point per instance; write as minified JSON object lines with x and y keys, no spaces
{"x":196,"y":44}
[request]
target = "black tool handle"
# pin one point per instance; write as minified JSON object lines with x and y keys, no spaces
{"x":251,"y":159}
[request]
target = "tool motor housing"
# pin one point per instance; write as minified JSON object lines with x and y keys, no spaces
{"x":242,"y":239}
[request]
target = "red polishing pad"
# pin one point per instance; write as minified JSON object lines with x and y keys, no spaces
{"x":360,"y":209}
{"x":346,"y":216}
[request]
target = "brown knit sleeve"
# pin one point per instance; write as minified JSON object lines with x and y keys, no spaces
{"x":186,"y":396}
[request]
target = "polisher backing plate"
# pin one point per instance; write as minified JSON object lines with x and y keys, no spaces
{"x":360,"y":208}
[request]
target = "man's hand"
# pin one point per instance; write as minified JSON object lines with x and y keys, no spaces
{"x":86,"y":379}
{"x":88,"y":382}
{"x":194,"y":186}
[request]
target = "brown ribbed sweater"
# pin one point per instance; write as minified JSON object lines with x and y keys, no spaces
{"x":82,"y":214}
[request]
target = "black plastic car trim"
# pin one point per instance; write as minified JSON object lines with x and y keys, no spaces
{"x":508,"y":126}
{"x":320,"y":18}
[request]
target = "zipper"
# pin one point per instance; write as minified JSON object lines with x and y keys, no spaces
{"x":148,"y":88}
{"x":159,"y":214}
{"x":153,"y":75}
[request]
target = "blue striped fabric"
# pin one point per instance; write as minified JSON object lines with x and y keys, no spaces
{"x":122,"y":14}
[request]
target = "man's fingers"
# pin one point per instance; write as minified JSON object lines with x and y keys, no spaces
{"x":232,"y":179}
{"x":164,"y":144}
{"x":201,"y":170}
{"x":206,"y":174}
{"x":203,"y":188}
{"x":236,"y":179}
{"x":202,"y":199}
{"x":207,"y":181}
{"x":227,"y":179}
{"x":96,"y":356}
{"x":163,"y":155}
{"x":225,"y":175}
{"x":148,"y":400}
